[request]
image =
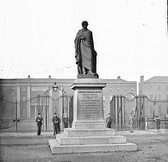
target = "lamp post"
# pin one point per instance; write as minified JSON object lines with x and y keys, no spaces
{"x":55,"y":87}
{"x":46,"y":108}
{"x":16,"y":103}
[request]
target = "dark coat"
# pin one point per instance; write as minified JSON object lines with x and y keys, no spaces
{"x":157,"y":121}
{"x":55,"y":120}
{"x":39,"y":120}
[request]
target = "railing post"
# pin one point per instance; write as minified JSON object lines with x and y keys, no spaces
{"x":16,"y":116}
{"x":121,"y":107}
{"x":118,"y":112}
{"x":124,"y":114}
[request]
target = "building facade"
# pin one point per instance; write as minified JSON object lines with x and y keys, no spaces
{"x":23,"y":99}
{"x":156,"y":91}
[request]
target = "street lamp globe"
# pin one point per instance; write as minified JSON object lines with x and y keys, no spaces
{"x":55,"y":87}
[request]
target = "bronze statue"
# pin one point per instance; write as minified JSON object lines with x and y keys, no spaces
{"x":85,"y":53}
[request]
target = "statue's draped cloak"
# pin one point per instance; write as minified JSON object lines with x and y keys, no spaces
{"x":84,"y":48}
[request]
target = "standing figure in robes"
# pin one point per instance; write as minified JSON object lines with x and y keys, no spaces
{"x":85,"y":53}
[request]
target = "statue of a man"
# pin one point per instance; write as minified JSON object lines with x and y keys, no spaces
{"x":85,"y":53}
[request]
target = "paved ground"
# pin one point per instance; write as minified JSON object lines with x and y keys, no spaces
{"x":27,"y":147}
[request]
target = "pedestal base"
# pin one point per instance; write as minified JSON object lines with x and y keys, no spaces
{"x":89,"y":140}
{"x":56,"y":148}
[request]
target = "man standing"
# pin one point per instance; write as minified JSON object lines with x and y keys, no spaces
{"x":157,"y":121}
{"x":65,"y":120}
{"x":59,"y":123}
{"x":55,"y":121}
{"x":109,"y":121}
{"x":39,"y":122}
{"x":131,"y":122}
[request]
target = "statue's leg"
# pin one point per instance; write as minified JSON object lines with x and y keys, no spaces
{"x":79,"y":69}
{"x":84,"y":70}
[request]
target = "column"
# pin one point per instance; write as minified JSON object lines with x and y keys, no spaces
{"x":18,"y":101}
{"x":61,"y":102}
{"x":28,"y":102}
{"x":50,"y":105}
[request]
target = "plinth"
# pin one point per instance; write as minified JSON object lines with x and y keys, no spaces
{"x":89,"y":132}
{"x":88,"y":104}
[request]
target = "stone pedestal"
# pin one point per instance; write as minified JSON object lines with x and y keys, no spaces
{"x":89,"y":132}
{"x":88,"y":104}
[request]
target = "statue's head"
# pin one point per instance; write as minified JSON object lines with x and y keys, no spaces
{"x":84,"y":24}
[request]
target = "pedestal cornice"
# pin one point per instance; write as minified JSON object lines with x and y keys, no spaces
{"x":88,"y":83}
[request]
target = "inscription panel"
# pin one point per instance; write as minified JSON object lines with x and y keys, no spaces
{"x":90,"y":105}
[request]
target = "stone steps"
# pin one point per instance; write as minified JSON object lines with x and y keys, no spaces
{"x":64,"y":140}
{"x":89,"y":140}
{"x":70,"y":132}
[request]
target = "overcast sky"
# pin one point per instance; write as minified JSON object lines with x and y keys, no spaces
{"x":37,"y":37}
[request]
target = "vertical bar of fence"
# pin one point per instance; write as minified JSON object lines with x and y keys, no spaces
{"x":137,"y":109}
{"x":112,"y":111}
{"x":68,"y":110}
{"x":48,"y":111}
{"x":41,"y":110}
{"x":140,"y":109}
{"x":114,"y":107}
{"x":46,"y":107}
{"x":16,"y":116}
{"x":62,"y":115}
{"x":116,"y":114}
{"x":121,"y":108}
{"x":124,"y":112}
{"x":143,"y":106}
{"x":118,"y":111}
{"x":143,"y":112}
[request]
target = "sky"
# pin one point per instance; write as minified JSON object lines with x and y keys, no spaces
{"x":37,"y":37}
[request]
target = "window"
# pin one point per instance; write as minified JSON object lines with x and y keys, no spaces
{"x":32,"y":111}
{"x":151,"y":97}
{"x":23,"y":111}
{"x":159,"y":97}
{"x":167,"y":97}
{"x":167,"y":88}
{"x":159,"y":87}
{"x":23,"y":98}
{"x":151,"y":111}
{"x":159,"y":110}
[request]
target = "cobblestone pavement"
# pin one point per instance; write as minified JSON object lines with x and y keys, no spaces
{"x":27,"y":147}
